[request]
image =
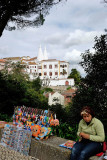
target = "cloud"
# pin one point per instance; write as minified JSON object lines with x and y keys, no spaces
{"x":77,"y":37}
{"x":68,"y":30}
{"x":3,"y":51}
{"x":74,"y":57}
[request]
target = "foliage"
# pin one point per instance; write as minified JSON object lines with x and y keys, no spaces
{"x":60,"y":112}
{"x":36,"y":84}
{"x":11,"y":93}
{"x":48,"y":89}
{"x":76,"y":75}
{"x":5,"y":117}
{"x":64,"y":130}
{"x":16,"y":89}
{"x":95,"y":66}
{"x":35,"y":99}
{"x":24,"y":13}
{"x":92,"y":91}
{"x":68,"y":88}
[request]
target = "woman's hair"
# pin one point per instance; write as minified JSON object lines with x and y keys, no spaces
{"x":87,"y":110}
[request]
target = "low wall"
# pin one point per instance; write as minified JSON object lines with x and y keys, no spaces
{"x":49,"y":149}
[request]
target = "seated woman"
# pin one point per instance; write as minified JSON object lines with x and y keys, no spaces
{"x":91,"y":133}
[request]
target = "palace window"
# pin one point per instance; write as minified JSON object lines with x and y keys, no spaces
{"x":45,"y":66}
{"x":50,"y":66}
{"x":56,"y":66}
{"x":45,"y":73}
{"x":50,"y":73}
{"x":56,"y":73}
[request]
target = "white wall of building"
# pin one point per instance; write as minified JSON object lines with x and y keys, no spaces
{"x":55,"y":71}
{"x":56,"y":98}
{"x":62,"y":82}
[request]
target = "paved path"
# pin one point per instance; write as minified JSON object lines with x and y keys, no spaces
{"x":7,"y":154}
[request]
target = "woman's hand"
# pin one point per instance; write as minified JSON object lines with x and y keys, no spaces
{"x":84,"y":135}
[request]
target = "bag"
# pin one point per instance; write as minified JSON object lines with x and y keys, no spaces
{"x":104,"y":146}
{"x":101,"y":154}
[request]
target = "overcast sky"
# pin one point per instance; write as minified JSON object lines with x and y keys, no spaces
{"x":68,"y":31}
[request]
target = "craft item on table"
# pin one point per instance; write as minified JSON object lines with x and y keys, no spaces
{"x":29,"y":124}
{"x":26,"y":128}
{"x":56,"y":122}
{"x":45,"y":121}
{"x":69,"y":144}
{"x":49,"y":132}
{"x":37,"y":118}
{"x":34,"y":116}
{"x":20,"y":125}
{"x":16,"y":138}
{"x":14,"y":118}
{"x":31,"y":116}
{"x":43,"y":133}
{"x":45,"y":112}
{"x":51,"y":121}
{"x":2,"y":124}
{"x":19,"y":112}
{"x":40,"y":120}
{"x":36,"y":129}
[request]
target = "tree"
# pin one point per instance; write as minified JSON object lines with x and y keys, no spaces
{"x":93,"y":89}
{"x":23,"y":13}
{"x":95,"y":66}
{"x":76,"y":75}
{"x":105,"y":1}
{"x":16,"y":89}
{"x":36,"y":84}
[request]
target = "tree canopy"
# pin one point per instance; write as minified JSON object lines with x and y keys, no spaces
{"x":76,"y":75}
{"x":16,"y":89}
{"x":24,"y":13}
{"x":92,"y":90}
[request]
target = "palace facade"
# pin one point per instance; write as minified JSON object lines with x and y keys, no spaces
{"x":51,"y":71}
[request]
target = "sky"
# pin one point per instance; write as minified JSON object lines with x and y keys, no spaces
{"x":68,"y":31}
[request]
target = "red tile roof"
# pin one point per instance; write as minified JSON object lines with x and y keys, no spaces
{"x":2,"y":60}
{"x":32,"y":63}
{"x":29,"y":59}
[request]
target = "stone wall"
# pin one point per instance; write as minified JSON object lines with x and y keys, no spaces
{"x":49,"y":149}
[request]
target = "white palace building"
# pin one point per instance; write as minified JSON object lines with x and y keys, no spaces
{"x":52,"y":72}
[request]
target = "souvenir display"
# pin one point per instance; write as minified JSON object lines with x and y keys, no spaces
{"x":36,"y":120}
{"x":16,"y":138}
{"x":36,"y":129}
{"x":69,"y":144}
{"x":49,"y":132}
{"x":43,"y":133}
{"x":24,"y":114}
